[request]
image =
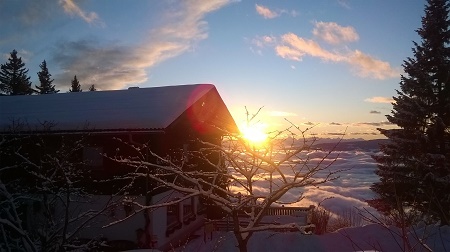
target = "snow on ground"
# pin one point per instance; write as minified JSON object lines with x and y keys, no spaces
{"x":371,"y":237}
{"x":350,"y":190}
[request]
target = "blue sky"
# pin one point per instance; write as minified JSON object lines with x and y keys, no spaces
{"x":330,"y":63}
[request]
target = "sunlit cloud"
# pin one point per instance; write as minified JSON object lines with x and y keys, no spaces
{"x":264,"y":41}
{"x":333,"y":33}
{"x":335,"y":133}
{"x":295,"y":47}
{"x":379,"y":99}
{"x":73,"y":9}
{"x":281,"y":113}
{"x":292,"y":47}
{"x":368,"y":66}
{"x":364,"y":133}
{"x":376,"y":124}
{"x":266,"y":12}
{"x":114,"y":66}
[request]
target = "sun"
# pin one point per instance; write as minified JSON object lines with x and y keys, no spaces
{"x":254,"y":133}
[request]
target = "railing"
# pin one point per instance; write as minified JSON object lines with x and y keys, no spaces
{"x":286,"y":210}
{"x":303,"y":213}
{"x":173,"y":221}
{"x":188,"y":214}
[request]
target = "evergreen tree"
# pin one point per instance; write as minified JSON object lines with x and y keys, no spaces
{"x":75,"y":86}
{"x":414,"y":169}
{"x":13,"y":77}
{"x":92,"y":88}
{"x":45,"y":80}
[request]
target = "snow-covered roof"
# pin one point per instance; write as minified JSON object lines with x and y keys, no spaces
{"x":135,"y":108}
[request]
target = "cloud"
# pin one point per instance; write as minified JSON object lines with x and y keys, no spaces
{"x":344,"y":3}
{"x":309,"y":123}
{"x":335,"y":124}
{"x":377,"y":124}
{"x":374,"y":112}
{"x":114,"y":66}
{"x":281,"y":113}
{"x":365,"y":133}
{"x":295,"y":47}
{"x":72,"y":8}
{"x":264,"y":41}
{"x":292,"y":47}
{"x":106,"y":66}
{"x":266,"y":12}
{"x":269,"y":14}
{"x":367,"y":66}
{"x":379,"y":99}
{"x":335,"y":134}
{"x":333,"y":33}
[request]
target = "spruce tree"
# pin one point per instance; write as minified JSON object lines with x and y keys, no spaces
{"x":414,"y":169}
{"x":45,"y":80}
{"x":75,"y":86}
{"x":13,"y":77}
{"x":92,"y":88}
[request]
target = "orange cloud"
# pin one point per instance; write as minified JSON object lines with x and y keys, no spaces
{"x":71,"y":8}
{"x":297,"y":46}
{"x":379,"y":99}
{"x":266,"y":12}
{"x":292,"y":47}
{"x":367,"y":66}
{"x":333,"y":33}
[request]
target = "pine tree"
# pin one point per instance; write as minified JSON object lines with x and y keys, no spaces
{"x":75,"y":86}
{"x":13,"y":77}
{"x":45,"y":80}
{"x":92,"y":88}
{"x":414,"y":169}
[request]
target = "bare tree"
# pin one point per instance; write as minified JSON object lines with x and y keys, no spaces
{"x":40,"y":186}
{"x":283,"y":159}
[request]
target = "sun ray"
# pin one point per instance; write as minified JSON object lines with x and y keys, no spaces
{"x":254,"y":133}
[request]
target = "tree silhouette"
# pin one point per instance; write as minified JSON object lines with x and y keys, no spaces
{"x":45,"y":80}
{"x":75,"y":86}
{"x":414,"y":168}
{"x":92,"y":88}
{"x":13,"y":77}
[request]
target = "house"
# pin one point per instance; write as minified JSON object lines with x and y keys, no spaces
{"x":166,"y":121}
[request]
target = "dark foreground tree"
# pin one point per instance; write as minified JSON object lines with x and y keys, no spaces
{"x":13,"y":77}
{"x":75,"y":86}
{"x":45,"y":80}
{"x":44,"y":204}
{"x":414,"y":168}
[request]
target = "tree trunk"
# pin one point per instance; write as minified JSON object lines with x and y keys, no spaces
{"x":242,"y":243}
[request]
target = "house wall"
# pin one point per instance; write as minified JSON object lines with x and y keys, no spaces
{"x":110,"y":219}
{"x":159,"y":226}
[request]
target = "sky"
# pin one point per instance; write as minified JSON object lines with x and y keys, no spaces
{"x":329,"y":65}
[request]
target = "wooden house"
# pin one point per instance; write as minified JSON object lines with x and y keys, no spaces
{"x":168,"y":121}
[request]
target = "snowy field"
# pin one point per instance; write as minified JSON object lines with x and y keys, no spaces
{"x":371,"y":237}
{"x":349,"y":191}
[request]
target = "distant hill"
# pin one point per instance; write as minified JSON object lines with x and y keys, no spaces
{"x":363,"y":145}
